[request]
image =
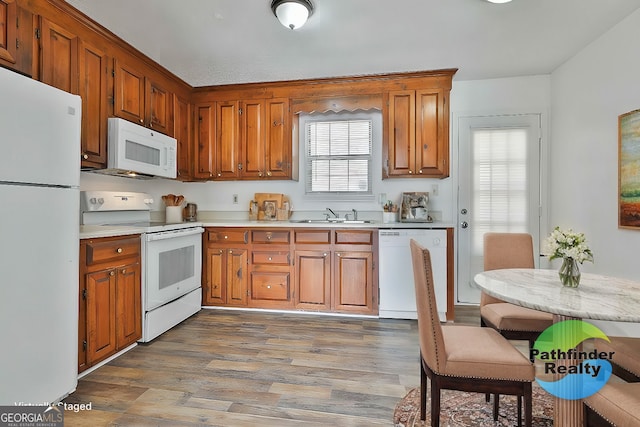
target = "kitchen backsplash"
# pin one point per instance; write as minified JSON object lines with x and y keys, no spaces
{"x":219,"y":196}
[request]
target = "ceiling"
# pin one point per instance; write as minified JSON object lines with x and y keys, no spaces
{"x":213,"y":42}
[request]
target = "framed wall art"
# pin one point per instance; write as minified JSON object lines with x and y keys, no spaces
{"x":629,"y":170}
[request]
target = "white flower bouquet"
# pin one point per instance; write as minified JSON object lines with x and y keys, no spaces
{"x":568,"y":244}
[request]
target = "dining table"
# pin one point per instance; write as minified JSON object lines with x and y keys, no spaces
{"x":598,"y":297}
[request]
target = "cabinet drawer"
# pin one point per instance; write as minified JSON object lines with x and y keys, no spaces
{"x":228,"y":236}
{"x":270,"y":258}
{"x":99,"y":251}
{"x":270,"y":236}
{"x":313,"y":236}
{"x":272,"y":286}
{"x":358,"y":237}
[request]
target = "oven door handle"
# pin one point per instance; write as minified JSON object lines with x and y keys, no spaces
{"x":172,"y":234}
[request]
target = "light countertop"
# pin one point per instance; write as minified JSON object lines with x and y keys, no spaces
{"x":95,"y":231}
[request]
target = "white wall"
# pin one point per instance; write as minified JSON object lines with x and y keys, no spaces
{"x":589,"y":92}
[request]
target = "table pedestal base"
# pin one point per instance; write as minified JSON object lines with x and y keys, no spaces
{"x":566,"y":413}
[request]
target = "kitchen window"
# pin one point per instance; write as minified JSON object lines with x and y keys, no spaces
{"x":338,"y":156}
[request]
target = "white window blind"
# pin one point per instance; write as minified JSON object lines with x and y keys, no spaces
{"x":500,"y":182}
{"x":338,"y":156}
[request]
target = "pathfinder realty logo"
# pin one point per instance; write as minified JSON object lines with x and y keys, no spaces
{"x":585,"y":372}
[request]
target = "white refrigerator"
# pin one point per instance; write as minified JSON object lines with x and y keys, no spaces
{"x":39,"y":224}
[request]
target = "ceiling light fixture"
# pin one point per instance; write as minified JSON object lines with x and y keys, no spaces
{"x":498,"y":1}
{"x":292,"y":13}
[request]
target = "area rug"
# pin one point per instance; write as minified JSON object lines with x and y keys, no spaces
{"x":459,"y":409}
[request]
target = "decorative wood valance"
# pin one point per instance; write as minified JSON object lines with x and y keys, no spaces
{"x":337,"y":104}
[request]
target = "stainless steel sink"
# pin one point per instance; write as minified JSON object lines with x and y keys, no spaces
{"x":331,"y":221}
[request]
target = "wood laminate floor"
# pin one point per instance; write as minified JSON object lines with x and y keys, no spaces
{"x":241,"y":368}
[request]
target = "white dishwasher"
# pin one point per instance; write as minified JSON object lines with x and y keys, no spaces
{"x":397,"y":293}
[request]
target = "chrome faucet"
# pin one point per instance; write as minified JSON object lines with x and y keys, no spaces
{"x":332,"y":213}
{"x":355,"y":215}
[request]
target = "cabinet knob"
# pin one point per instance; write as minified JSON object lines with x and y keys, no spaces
{"x":410,"y":172}
{"x":269,"y":236}
{"x":230,"y":251}
{"x":268,"y":173}
{"x":270,"y":259}
{"x":324,"y":254}
{"x":226,"y":237}
{"x":124,"y":271}
{"x":85,"y":156}
{"x":220,"y":251}
{"x":268,"y":286}
{"x":219,"y":174}
{"x":260,"y":174}
{"x":339,"y":254}
{"x":420,"y":171}
{"x":111,"y":273}
{"x":141,"y":121}
{"x":119,"y":250}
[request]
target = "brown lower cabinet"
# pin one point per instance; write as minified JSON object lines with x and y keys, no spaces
{"x":326,"y":270}
{"x":110,"y":298}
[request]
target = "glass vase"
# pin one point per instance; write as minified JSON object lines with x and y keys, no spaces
{"x":569,"y":273}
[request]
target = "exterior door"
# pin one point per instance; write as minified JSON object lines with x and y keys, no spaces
{"x":499,"y":187}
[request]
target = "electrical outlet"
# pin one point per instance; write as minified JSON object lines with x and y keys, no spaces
{"x":235,"y":199}
{"x":434,"y":189}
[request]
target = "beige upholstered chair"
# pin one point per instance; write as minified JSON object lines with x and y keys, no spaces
{"x":511,"y":250}
{"x":626,"y":356}
{"x":464,"y":358}
{"x":615,"y":404}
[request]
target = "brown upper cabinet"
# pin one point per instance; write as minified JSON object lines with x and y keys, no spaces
{"x":16,"y":35}
{"x":94,"y":88}
{"x":417,"y":134}
{"x":78,"y":67}
{"x":265,"y":139}
{"x":182,"y":131}
{"x":141,"y":100}
{"x":217,"y":152}
{"x":243,"y":139}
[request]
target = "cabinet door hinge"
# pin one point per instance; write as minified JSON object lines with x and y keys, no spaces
{"x":38,"y":33}
{"x":240,"y":111}
{"x":84,"y":294}
{"x":84,"y":345}
{"x":113,"y":73}
{"x":17,"y":43}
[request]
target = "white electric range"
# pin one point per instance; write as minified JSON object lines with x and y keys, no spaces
{"x":171,"y":256}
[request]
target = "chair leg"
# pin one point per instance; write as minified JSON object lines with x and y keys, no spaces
{"x":496,"y":406}
{"x":528,"y":402}
{"x":435,"y":402}
{"x":423,"y":391}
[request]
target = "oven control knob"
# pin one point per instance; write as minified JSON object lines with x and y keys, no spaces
{"x":100,"y":200}
{"x":148,"y":201}
{"x":93,"y":200}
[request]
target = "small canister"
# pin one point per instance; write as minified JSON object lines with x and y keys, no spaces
{"x":191,"y":212}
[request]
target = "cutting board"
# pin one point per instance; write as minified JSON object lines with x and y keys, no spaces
{"x":276,"y":200}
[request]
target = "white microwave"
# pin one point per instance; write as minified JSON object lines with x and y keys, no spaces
{"x":137,"y":152}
